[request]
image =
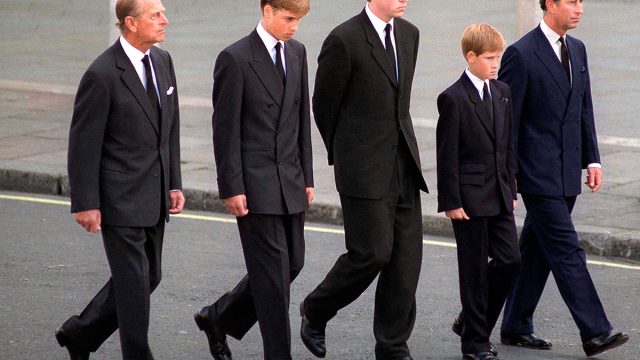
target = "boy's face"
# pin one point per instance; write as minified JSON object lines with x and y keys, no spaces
{"x":281,"y":24}
{"x":484,"y":66}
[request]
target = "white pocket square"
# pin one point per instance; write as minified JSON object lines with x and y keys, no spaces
{"x":170,"y":91}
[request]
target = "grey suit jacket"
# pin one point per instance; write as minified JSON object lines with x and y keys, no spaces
{"x":119,"y":159}
{"x":261,"y":129}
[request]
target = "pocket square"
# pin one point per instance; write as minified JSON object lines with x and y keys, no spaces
{"x":170,"y":91}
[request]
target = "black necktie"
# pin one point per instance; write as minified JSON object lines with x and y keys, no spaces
{"x":279,"y":65}
{"x":389,"y":48}
{"x":486,"y":100}
{"x":564,"y":57}
{"x":151,"y":88}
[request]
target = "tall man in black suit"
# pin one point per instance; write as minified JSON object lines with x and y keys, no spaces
{"x":555,"y":138}
{"x":124,"y":173}
{"x":361,"y":106}
{"x":262,"y":145}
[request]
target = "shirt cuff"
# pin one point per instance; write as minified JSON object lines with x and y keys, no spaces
{"x":595,"y":165}
{"x":181,"y":190}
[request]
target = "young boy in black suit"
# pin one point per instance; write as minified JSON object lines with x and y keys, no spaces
{"x":476,"y":187}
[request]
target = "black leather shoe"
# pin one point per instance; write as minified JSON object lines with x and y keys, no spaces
{"x":64,"y":341}
{"x":604,"y":342}
{"x":530,"y":341}
{"x":217,"y":339}
{"x":479,"y":356}
{"x":313,"y":338}
{"x":458,"y":326}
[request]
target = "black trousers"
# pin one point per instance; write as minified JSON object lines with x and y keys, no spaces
{"x":383,"y":238}
{"x":134,"y":256}
{"x":273,"y":247}
{"x":488,"y":261}
{"x":549,"y":243}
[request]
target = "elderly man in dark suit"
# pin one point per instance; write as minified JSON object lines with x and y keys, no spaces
{"x":124,"y":173}
{"x":555,"y":138}
{"x":262,"y":145}
{"x":361,"y":106}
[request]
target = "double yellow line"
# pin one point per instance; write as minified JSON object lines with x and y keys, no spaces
{"x":318,"y":229}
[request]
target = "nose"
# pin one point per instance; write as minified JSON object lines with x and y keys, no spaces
{"x":579,"y":7}
{"x":164,"y":19}
{"x":294,"y":25}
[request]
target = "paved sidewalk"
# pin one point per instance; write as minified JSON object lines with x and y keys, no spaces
{"x":46,"y":50}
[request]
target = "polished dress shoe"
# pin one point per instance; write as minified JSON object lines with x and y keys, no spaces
{"x":217,"y":339}
{"x":530,"y":341}
{"x":458,"y":326}
{"x":604,"y":342}
{"x":312,"y":337}
{"x":64,"y":341}
{"x":479,"y":356}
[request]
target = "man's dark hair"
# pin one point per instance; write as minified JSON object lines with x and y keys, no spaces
{"x":543,"y":4}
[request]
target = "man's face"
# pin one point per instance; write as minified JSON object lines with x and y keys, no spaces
{"x":388,"y":9}
{"x":566,"y":13}
{"x":148,"y":26}
{"x":484,"y":66}
{"x":281,"y":24}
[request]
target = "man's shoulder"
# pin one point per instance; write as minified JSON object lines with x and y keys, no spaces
{"x":241,"y":47}
{"x":349,"y":27}
{"x":405,"y":24}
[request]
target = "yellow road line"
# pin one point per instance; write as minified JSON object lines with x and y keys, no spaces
{"x":317,"y":229}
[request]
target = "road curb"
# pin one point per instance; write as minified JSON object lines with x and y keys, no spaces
{"x":595,"y":240}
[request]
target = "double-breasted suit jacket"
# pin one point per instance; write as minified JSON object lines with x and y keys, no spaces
{"x":252,"y":135}
{"x":373,"y":107}
{"x":554,"y":130}
{"x":475,"y":159}
{"x":121,"y":160}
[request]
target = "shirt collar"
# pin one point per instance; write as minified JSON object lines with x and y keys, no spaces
{"x":551,"y":35}
{"x":133,"y":54}
{"x":479,"y":84}
{"x":378,"y":23}
{"x":268,"y":40}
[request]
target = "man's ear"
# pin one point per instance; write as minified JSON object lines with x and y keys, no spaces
{"x":130,"y":23}
{"x":471,"y":57}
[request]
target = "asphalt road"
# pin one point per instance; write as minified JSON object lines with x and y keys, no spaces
{"x":49,"y":269}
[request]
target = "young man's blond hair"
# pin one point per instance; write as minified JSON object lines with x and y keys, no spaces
{"x":481,"y":38}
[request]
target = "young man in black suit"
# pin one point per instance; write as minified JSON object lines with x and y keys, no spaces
{"x":262,"y":145}
{"x":477,"y":187}
{"x":361,"y":106}
{"x":124,"y":173}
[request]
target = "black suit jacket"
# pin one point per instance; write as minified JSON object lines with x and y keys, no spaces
{"x":554,"y":128}
{"x":119,"y":160}
{"x":261,"y":129}
{"x":475,"y":163}
{"x":359,"y":108}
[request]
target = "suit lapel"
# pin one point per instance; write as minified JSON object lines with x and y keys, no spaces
{"x":377,"y":49}
{"x":478,"y":105}
{"x":499,"y":110}
{"x":132,"y":81}
{"x":550,"y":60}
{"x":405,"y":47}
{"x":160,"y":70}
{"x":292,"y":61}
{"x":264,"y":68}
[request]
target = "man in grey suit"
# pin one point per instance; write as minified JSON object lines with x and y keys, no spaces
{"x":262,"y":146}
{"x":361,"y":106}
{"x":124,"y":173}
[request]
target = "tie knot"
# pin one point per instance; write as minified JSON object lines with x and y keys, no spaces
{"x":278,"y":46}
{"x":561,"y":39}
{"x":145,"y":60}
{"x":485,"y":92}
{"x":388,"y":28}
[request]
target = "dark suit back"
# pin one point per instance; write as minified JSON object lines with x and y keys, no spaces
{"x":554,"y":131}
{"x":138,"y":162}
{"x":254,"y":119}
{"x":362,"y":134}
{"x":475,"y":160}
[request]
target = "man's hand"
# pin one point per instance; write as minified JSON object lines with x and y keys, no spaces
{"x":594,"y":178}
{"x":310,"y":192}
{"x":176,"y":202}
{"x":457,"y":214}
{"x":89,"y":219}
{"x":237,"y":205}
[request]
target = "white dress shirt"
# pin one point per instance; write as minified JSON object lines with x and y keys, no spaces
{"x":379,"y":25}
{"x":479,"y":84}
{"x":270,"y":43}
{"x":136,"y":56}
